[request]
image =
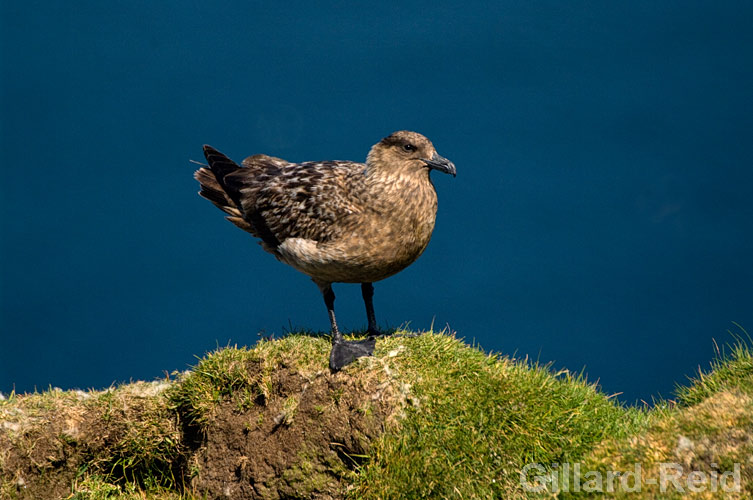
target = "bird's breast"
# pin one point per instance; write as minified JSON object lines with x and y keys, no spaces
{"x":383,"y":239}
{"x":396,"y":229}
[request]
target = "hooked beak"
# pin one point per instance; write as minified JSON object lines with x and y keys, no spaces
{"x":440,"y":163}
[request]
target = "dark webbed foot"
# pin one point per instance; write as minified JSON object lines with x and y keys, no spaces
{"x":345,"y":352}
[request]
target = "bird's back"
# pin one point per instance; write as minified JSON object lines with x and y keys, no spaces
{"x":275,"y":200}
{"x":317,"y":201}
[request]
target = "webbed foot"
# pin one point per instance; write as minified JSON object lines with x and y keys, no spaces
{"x":345,"y":352}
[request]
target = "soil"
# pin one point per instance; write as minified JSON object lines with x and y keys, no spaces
{"x":303,"y":441}
{"x":46,"y":446}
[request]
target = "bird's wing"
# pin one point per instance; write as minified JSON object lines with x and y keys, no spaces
{"x":264,"y":161}
{"x":312,"y":200}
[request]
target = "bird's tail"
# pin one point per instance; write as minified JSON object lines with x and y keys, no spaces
{"x":214,"y":188}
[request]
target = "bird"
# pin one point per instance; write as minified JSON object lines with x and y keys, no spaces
{"x":335,"y":221}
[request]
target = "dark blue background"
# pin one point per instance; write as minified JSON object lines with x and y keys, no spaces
{"x":602,"y":215}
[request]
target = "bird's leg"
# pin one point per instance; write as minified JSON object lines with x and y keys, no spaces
{"x":343,"y":352}
{"x":329,"y":301}
{"x":367,"y":291}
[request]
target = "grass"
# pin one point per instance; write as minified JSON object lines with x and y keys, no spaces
{"x":475,"y":420}
{"x":730,"y":370}
{"x":464,"y":423}
{"x":243,"y":375}
{"x":94,"y":487}
{"x":708,"y":429}
{"x":127,"y":435}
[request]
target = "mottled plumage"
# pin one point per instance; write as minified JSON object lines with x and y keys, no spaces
{"x":336,"y":221}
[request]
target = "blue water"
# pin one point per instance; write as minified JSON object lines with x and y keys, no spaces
{"x":602,"y":216}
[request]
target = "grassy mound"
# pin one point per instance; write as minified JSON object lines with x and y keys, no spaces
{"x":426,"y":417}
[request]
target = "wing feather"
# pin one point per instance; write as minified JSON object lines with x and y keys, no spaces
{"x":311,"y":200}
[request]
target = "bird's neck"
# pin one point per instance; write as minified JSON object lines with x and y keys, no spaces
{"x":406,"y":206}
{"x":407,"y":196}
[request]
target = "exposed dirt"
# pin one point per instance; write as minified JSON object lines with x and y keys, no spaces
{"x":301,"y":441}
{"x":38,"y":458}
{"x":48,"y":441}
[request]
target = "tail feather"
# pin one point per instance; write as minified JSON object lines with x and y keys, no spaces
{"x":222,"y":192}
{"x":243,"y":224}
{"x":212,"y":191}
{"x":220,"y":164}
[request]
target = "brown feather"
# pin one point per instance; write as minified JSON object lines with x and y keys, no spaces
{"x":333,"y":220}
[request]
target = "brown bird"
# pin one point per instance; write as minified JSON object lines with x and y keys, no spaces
{"x":336,"y":221}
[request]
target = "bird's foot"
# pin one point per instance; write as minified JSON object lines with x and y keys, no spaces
{"x":345,"y":352}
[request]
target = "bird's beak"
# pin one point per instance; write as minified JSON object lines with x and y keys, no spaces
{"x":441,"y":163}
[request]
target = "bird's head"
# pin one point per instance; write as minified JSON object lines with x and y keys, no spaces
{"x":408,"y":152}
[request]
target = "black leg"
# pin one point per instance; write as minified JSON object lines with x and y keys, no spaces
{"x":343,"y":353}
{"x":367,"y":291}
{"x":329,"y":301}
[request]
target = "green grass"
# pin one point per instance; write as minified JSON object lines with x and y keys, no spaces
{"x":464,"y":425}
{"x":475,"y":420}
{"x":94,"y":487}
{"x":732,"y":369}
{"x":243,"y":375}
{"x":127,"y":436}
{"x":708,"y":429}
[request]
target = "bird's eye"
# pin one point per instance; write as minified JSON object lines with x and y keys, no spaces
{"x":409,"y":147}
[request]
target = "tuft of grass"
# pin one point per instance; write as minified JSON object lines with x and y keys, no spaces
{"x":289,"y":408}
{"x":149,"y":447}
{"x":95,"y":487}
{"x":732,"y":369}
{"x":242,"y":375}
{"x":709,"y":430}
{"x":222,"y":374}
{"x":125,"y":436}
{"x":474,"y":420}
